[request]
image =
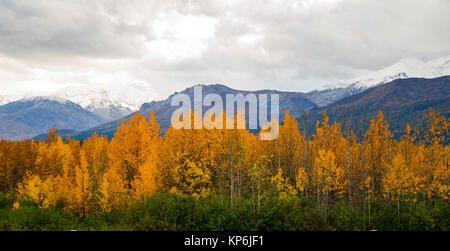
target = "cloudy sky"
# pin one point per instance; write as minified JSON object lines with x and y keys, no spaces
{"x":169,"y":45}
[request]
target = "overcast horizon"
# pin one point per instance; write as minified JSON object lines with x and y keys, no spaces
{"x":167,"y":46}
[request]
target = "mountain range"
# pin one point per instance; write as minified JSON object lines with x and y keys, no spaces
{"x":405,"y":68}
{"x":401,"y":100}
{"x":27,"y":117}
{"x":107,"y":101}
{"x":104,"y":106}
{"x":296,"y":102}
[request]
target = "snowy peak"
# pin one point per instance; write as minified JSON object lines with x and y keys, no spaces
{"x":405,"y":68}
{"x":30,"y":116}
{"x":110,"y":102}
{"x":40,"y":99}
{"x":441,"y":64}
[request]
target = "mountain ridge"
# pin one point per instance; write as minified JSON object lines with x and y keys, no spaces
{"x":405,"y":68}
{"x":296,"y":102}
{"x":113,"y":100}
{"x":27,"y":117}
{"x":402,"y":100}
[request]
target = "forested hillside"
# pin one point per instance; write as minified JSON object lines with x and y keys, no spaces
{"x":333,"y":169}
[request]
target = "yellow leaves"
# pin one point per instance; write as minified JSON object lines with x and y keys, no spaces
{"x":327,"y":174}
{"x":38,"y":191}
{"x":95,"y":149}
{"x":16,"y":205}
{"x":408,"y":129}
{"x":112,"y":192}
{"x":436,"y":126}
{"x":78,"y":198}
{"x":368,"y":182}
{"x":398,"y":179}
{"x":132,"y":155}
{"x":283,"y":188}
{"x":30,"y":188}
{"x":146,"y":183}
{"x":192,"y":176}
{"x":302,"y":179}
{"x":335,"y":165}
{"x":441,"y":181}
{"x":132,"y":145}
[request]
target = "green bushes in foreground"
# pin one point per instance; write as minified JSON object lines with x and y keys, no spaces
{"x":184,"y":213}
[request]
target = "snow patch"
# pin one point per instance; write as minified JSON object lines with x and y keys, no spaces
{"x":405,"y":68}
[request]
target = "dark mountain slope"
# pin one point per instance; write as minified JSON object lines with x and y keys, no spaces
{"x":402,"y":100}
{"x":28,"y":117}
{"x":296,"y":102}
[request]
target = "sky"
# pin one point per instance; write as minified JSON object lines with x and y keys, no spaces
{"x":168,"y":45}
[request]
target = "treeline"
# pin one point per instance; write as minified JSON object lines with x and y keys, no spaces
{"x":332,"y":168}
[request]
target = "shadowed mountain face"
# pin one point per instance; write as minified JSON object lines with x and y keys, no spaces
{"x":402,"y":101}
{"x":296,"y":102}
{"x":27,"y":117}
{"x":404,"y":69}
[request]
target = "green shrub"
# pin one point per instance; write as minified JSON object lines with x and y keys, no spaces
{"x":6,"y":201}
{"x":170,"y":212}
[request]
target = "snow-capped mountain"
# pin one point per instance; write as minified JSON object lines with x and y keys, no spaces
{"x":405,"y":68}
{"x":295,"y":102}
{"x":30,"y":116}
{"x":402,"y":101}
{"x":442,"y":65}
{"x":109,"y":102}
{"x":114,"y":101}
{"x":5,"y":99}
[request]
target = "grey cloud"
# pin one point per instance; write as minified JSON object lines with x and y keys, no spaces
{"x":298,"y":48}
{"x":318,"y":45}
{"x":52,"y":28}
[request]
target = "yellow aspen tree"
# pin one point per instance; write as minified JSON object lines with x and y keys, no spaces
{"x":327,"y":176}
{"x":437,"y":175}
{"x":49,"y":194}
{"x":31,"y":188}
{"x":96,"y":152}
{"x":233,"y":163}
{"x":282,"y":186}
{"x":127,"y":150}
{"x":302,"y":179}
{"x":35,"y":189}
{"x":398,"y":177}
{"x":339,"y":147}
{"x":146,"y":183}
{"x":79,"y":200}
{"x":289,"y":145}
{"x":354,"y":180}
{"x":147,"y":180}
{"x":16,"y":159}
{"x":113,"y":194}
{"x":414,"y":159}
{"x":259,"y":175}
{"x":377,"y":153}
{"x":192,"y":160}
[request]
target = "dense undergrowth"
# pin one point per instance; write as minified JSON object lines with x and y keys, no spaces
{"x":170,"y":212}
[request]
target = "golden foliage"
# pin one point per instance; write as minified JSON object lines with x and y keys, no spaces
{"x":334,"y":165}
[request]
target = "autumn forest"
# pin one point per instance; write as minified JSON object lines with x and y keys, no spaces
{"x":200,"y":179}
